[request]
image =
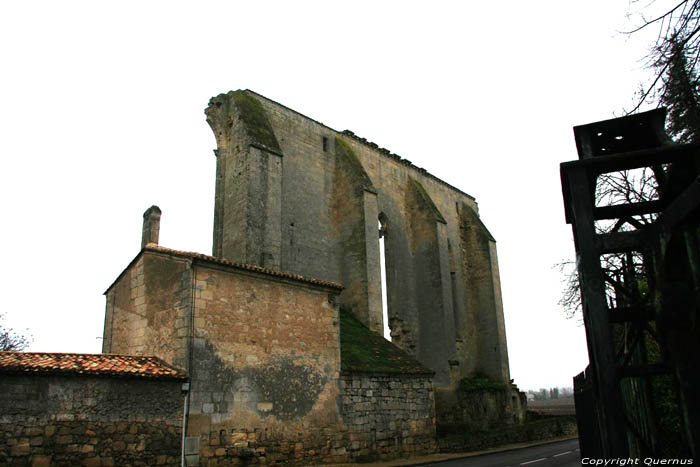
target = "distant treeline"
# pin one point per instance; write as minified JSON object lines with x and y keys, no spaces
{"x":552,"y":393}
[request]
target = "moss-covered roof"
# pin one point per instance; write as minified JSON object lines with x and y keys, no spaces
{"x":255,"y":119}
{"x":362,"y":351}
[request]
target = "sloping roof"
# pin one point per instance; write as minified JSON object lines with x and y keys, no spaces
{"x":363,"y":351}
{"x":88,"y":365}
{"x":240,"y":266}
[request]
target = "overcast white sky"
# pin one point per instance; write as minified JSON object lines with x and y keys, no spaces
{"x":101,"y":116}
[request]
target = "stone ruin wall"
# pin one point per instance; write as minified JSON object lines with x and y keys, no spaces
{"x":80,"y":420}
{"x":315,"y":196}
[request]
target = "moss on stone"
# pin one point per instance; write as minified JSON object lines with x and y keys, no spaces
{"x":345,"y":153}
{"x":363,"y":351}
{"x":468,"y":215}
{"x":428,"y":201}
{"x":255,"y":119}
{"x":480,"y":382}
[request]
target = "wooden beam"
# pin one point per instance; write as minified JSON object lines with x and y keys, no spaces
{"x":681,"y":207}
{"x":636,"y":159}
{"x":601,"y":351}
{"x":631,"y":314}
{"x":639,"y":371}
{"x":625,"y":210}
{"x":620,"y":242}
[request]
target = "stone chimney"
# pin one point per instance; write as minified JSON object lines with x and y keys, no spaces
{"x":151,"y":226}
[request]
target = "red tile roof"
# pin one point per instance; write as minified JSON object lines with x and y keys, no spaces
{"x":246,"y":267}
{"x":88,"y":364}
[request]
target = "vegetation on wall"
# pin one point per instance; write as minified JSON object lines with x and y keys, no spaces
{"x":480,"y":382}
{"x":427,"y":201}
{"x":363,"y":351}
{"x":346,"y":154}
{"x":255,"y":119}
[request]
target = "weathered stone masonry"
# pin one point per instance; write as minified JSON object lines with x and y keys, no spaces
{"x":262,"y":350}
{"x":316,"y":195}
{"x":60,"y":417}
{"x":283,"y":368}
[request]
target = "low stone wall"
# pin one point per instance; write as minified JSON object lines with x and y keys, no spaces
{"x":85,"y":420}
{"x":387,"y":416}
{"x":536,"y":430}
{"x":479,"y":404}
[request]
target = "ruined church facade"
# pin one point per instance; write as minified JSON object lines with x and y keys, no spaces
{"x":297,"y":196}
{"x":279,"y":330}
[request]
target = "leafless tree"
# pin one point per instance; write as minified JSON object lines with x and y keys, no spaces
{"x":677,"y":32}
{"x":10,"y":340}
{"x":623,"y":272}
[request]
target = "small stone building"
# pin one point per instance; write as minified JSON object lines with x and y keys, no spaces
{"x":82,"y":409}
{"x":277,"y":372}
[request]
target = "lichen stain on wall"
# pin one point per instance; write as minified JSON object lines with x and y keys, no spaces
{"x":281,"y":387}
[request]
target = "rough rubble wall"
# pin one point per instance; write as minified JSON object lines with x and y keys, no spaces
{"x":390,"y":415}
{"x":148,"y":309}
{"x":266,"y":361}
{"x":80,"y":420}
{"x":311,"y":217}
{"x":479,"y":410}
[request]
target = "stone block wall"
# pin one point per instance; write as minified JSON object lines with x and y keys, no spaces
{"x":148,"y":308}
{"x":387,"y":416}
{"x":80,"y":420}
{"x":265,"y":368}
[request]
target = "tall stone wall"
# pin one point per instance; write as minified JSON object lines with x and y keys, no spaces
{"x":333,"y":189}
{"x":92,"y":421}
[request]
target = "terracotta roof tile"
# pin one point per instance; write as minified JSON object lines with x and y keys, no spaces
{"x":246,"y":267}
{"x":88,"y":364}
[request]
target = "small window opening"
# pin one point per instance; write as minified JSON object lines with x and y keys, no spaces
{"x":325,"y":144}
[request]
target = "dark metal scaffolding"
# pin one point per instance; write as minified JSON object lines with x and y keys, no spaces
{"x":638,"y":261}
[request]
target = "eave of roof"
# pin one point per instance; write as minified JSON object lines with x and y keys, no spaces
{"x":230,"y":264}
{"x":103,"y":365}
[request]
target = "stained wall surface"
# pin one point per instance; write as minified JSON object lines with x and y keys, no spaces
{"x":316,"y":196}
{"x":266,"y":360}
{"x":262,"y":351}
{"x":92,"y":421}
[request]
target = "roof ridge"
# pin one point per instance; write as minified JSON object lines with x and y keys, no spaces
{"x":243,"y":266}
{"x":383,"y":151}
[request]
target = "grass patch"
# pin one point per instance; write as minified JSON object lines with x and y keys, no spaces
{"x":363,"y":351}
{"x":255,"y":120}
{"x":480,"y":382}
